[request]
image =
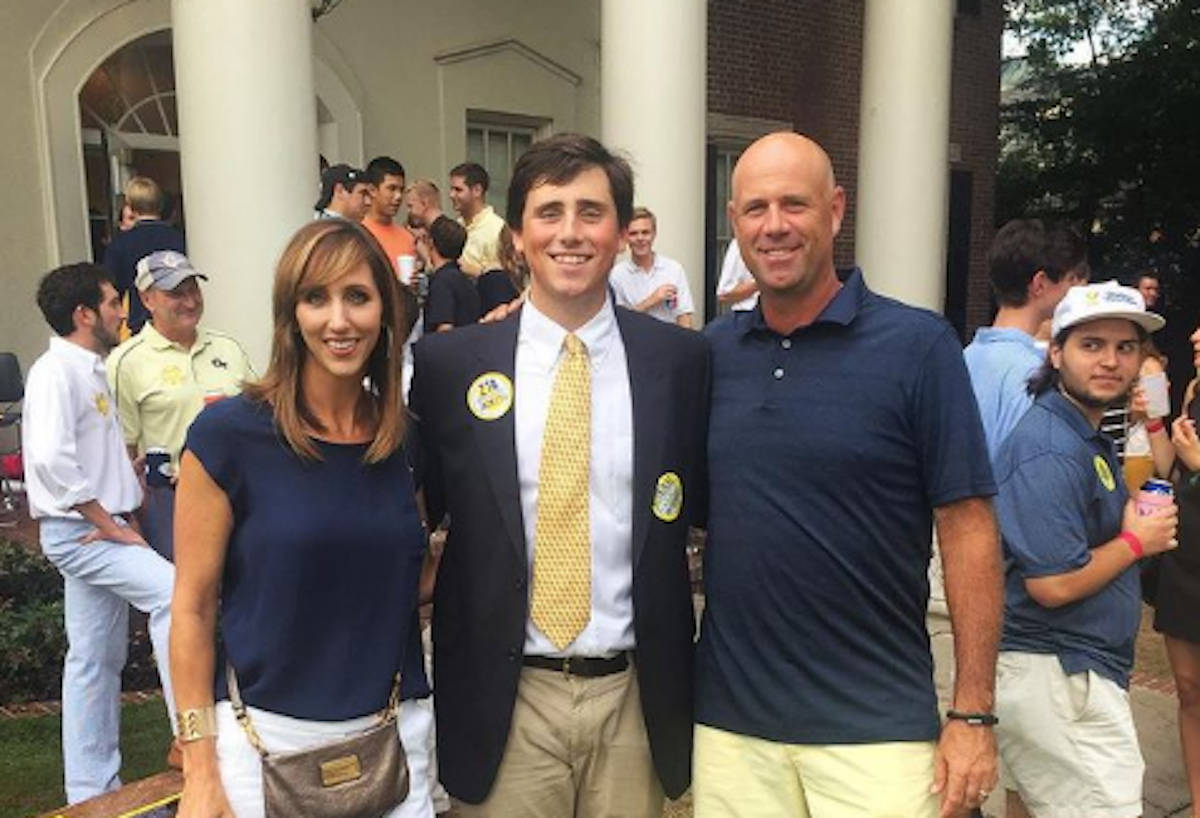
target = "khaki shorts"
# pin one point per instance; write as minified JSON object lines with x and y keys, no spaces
{"x":1067,"y":743}
{"x":748,"y":777}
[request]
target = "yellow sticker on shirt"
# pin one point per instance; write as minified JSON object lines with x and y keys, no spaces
{"x":172,"y":375}
{"x":101,"y":401}
{"x":1104,"y":473}
{"x":668,"y":497}
{"x":490,"y":396}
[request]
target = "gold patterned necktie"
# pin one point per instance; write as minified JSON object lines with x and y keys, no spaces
{"x":562,"y":557}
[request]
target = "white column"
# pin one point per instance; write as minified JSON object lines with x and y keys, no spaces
{"x":248,"y":149}
{"x":653,"y":59}
{"x":903,"y":150}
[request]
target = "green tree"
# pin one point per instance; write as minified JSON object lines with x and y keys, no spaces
{"x":1111,"y":144}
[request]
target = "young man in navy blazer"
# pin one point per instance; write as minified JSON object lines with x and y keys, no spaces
{"x":531,"y":722}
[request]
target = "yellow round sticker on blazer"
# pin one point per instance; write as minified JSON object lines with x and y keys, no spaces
{"x":1104,"y":472}
{"x":490,"y":395}
{"x":668,"y":497}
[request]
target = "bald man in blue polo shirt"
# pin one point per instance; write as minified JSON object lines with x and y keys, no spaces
{"x":842,"y":426}
{"x":1072,"y":542}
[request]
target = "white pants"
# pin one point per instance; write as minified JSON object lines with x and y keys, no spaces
{"x":100,"y":581}
{"x":241,"y":767}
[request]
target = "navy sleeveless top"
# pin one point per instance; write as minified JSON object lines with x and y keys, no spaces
{"x":319,"y":592}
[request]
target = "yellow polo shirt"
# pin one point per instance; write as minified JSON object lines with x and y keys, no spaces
{"x":160,"y":387}
{"x":482,"y":250}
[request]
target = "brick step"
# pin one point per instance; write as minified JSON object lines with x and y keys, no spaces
{"x":153,"y":797}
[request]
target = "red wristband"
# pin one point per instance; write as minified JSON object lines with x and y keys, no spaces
{"x":1155,"y":425}
{"x":1135,"y":545}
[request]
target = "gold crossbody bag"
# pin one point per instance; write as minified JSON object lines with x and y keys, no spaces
{"x":362,"y":776}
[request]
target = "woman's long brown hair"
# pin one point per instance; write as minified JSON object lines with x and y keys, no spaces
{"x":322,"y":252}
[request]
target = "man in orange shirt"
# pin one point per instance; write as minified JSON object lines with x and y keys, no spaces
{"x":386,"y":178}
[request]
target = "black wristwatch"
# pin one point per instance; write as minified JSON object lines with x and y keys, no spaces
{"x":974,"y":719}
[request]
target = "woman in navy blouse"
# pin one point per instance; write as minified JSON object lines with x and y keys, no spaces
{"x":297,"y":521}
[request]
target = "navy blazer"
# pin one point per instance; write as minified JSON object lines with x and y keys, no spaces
{"x":481,"y":603}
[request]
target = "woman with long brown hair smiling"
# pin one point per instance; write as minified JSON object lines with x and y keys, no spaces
{"x":297,"y":520}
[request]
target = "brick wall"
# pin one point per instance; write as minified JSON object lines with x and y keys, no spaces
{"x":974,"y":125}
{"x":800,"y":61}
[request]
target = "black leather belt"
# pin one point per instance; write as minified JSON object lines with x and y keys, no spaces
{"x":580,"y":665}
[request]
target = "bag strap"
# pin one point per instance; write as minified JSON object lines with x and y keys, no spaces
{"x":388,"y":714}
{"x":239,"y":710}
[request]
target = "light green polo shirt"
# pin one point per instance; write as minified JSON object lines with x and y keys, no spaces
{"x":160,"y":387}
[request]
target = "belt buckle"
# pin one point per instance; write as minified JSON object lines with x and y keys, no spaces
{"x":566,"y":665}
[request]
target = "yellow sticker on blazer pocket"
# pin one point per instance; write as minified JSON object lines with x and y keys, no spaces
{"x":668,"y":497}
{"x":490,"y":396}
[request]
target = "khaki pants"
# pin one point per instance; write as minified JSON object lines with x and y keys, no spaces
{"x":576,"y":747}
{"x":749,"y":777}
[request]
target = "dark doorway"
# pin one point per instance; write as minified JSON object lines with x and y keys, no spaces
{"x":958,"y":252}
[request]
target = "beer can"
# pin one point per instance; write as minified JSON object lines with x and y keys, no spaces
{"x":1154,"y":495}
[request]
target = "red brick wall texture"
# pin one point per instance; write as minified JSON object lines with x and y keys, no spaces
{"x":800,"y":61}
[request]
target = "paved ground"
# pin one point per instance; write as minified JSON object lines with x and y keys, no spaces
{"x":1166,"y":792}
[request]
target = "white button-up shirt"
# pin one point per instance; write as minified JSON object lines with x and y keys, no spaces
{"x":734,"y":272}
{"x":632,"y":285}
{"x":539,"y":350}
{"x":71,"y":437}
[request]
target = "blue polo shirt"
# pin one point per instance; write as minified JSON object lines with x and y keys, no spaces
{"x":1061,"y":495}
{"x":827,"y":450}
{"x":1000,"y":361}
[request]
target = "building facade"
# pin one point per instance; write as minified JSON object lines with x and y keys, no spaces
{"x":229,"y":104}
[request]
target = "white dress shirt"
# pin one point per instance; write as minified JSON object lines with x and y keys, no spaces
{"x":632,"y":285}
{"x":71,"y":437}
{"x":539,"y":350}
{"x":734,"y":272}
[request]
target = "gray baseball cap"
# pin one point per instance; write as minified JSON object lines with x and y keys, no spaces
{"x":164,"y":270}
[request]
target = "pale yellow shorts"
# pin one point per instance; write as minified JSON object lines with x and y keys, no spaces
{"x":736,"y":775}
{"x":1067,"y":743}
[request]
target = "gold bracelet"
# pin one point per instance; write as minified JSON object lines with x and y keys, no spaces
{"x":196,"y":723}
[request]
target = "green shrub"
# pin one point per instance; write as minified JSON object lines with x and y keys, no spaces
{"x":32,"y":641}
{"x":32,"y":646}
{"x":26,"y":576}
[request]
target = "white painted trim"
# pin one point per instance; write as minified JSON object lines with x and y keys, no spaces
{"x":741,"y":129}
{"x":73,"y":42}
{"x":76,"y":39}
{"x":473,"y":52}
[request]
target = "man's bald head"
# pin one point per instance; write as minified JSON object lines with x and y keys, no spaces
{"x":784,"y":149}
{"x":786,"y":209}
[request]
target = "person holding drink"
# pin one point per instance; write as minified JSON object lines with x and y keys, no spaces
{"x":1073,"y":539}
{"x":297,"y":518}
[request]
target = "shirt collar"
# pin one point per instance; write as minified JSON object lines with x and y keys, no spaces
{"x":480,"y":216}
{"x":634,"y":267}
{"x":842,"y":309}
{"x":544,"y":338}
{"x":158,"y":341}
{"x":1056,"y":402}
{"x":75,"y":355}
{"x":1012,"y":335}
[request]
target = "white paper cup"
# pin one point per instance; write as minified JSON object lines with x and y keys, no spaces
{"x":1158,"y":402}
{"x":406,"y":265}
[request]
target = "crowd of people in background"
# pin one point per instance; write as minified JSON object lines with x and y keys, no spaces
{"x":508,"y":416}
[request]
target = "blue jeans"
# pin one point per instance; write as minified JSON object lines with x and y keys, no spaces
{"x":100,"y":581}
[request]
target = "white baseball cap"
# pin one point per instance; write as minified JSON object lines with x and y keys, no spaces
{"x":1108,"y":299}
